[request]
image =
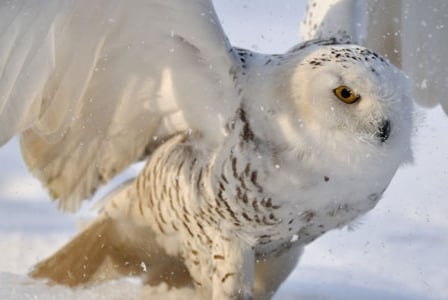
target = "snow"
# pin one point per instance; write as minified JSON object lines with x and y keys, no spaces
{"x":398,"y":251}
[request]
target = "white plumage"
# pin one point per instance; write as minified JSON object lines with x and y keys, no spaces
{"x":249,"y":156}
{"x":65,"y":63}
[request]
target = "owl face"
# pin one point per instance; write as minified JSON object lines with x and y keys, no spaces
{"x":349,"y":101}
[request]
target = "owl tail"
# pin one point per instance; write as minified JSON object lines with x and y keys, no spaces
{"x":109,"y":248}
{"x":93,"y":255}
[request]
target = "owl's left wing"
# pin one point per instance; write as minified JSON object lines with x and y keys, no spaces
{"x":412,"y":34}
{"x":93,"y":85}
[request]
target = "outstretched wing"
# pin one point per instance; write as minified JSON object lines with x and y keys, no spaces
{"x":92,"y":85}
{"x":412,"y":34}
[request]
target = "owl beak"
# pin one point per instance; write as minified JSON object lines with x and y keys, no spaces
{"x":383,"y":132}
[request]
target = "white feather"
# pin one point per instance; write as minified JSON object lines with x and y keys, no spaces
{"x":90,"y":83}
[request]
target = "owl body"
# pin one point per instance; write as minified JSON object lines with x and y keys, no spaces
{"x":275,"y":183}
{"x":232,"y":217}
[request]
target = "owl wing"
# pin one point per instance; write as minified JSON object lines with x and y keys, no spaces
{"x":412,"y":34}
{"x":92,"y":86}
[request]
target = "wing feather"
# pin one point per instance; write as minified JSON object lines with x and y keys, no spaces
{"x":90,"y":84}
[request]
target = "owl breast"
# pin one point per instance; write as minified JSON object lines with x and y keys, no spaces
{"x":193,"y":199}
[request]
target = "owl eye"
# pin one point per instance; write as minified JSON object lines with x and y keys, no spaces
{"x":345,"y":94}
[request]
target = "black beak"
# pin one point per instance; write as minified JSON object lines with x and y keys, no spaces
{"x":384,"y":131}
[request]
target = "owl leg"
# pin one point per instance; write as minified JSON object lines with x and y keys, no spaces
{"x":271,"y":272}
{"x":233,"y":270}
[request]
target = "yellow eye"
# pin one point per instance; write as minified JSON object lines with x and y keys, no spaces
{"x":345,"y":94}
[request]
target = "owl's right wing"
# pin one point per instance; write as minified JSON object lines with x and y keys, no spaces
{"x":92,"y":85}
{"x":412,"y":34}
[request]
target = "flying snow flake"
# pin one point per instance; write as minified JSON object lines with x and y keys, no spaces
{"x":294,"y":238}
{"x":143,"y":266}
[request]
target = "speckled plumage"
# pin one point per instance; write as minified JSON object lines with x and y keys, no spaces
{"x":249,"y":157}
{"x":277,"y":181}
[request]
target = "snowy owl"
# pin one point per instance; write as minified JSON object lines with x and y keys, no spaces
{"x":249,"y":157}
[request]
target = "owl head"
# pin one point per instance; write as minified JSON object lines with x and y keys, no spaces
{"x":343,"y":104}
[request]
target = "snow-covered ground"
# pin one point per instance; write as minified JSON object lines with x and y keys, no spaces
{"x":398,"y":251}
